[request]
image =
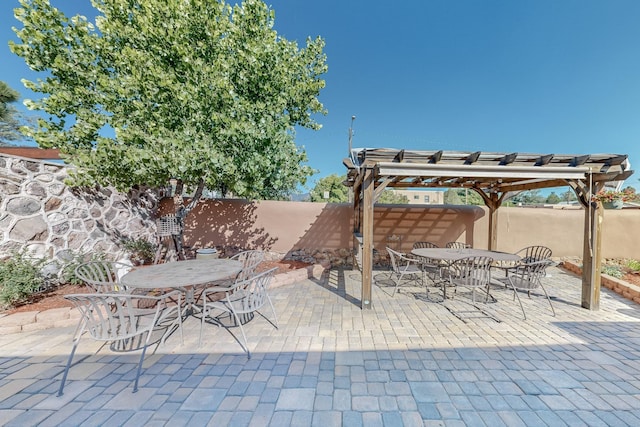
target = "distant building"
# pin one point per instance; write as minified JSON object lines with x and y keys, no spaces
{"x":423,"y":197}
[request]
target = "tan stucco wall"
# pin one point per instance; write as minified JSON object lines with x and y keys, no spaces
{"x":271,"y":225}
{"x":287,"y":226}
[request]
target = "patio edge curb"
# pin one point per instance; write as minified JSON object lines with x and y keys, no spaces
{"x":625,"y":289}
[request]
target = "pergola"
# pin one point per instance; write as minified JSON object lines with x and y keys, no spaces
{"x":493,"y":176}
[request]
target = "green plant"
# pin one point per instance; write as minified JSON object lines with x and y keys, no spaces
{"x":142,"y":251}
{"x":633,"y":264}
{"x":613,"y":271}
{"x":20,"y":277}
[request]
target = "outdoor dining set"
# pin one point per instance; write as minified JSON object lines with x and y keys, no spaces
{"x":132,"y":309}
{"x":458,"y":265}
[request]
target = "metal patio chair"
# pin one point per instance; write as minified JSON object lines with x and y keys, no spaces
{"x":527,"y":255}
{"x":168,"y":234}
{"x":128,"y":321}
{"x":527,"y":277}
{"x":401,"y":266}
{"x":457,"y":245}
{"x":246,"y":297}
{"x":431,"y":267}
{"x":472,"y":273}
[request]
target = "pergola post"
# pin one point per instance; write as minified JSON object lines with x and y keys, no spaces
{"x":367,"y":237}
{"x":493,"y":203}
{"x":591,"y":258}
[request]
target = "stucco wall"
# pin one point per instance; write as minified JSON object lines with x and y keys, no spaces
{"x":286,"y":227}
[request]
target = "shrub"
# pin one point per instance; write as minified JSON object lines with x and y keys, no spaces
{"x":633,"y":264}
{"x":613,"y":271}
{"x":20,"y":277}
{"x":142,"y":251}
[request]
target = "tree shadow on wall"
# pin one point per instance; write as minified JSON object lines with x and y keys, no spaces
{"x":112,"y":212}
{"x":331,"y":229}
{"x":229,"y":225}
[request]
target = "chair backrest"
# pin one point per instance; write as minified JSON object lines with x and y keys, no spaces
{"x":472,"y":271}
{"x":112,"y":316}
{"x":457,"y":245}
{"x":168,"y":225}
{"x":250,"y":260}
{"x":422,"y":245}
{"x":393,"y":258}
{"x":527,"y":276}
{"x":103,"y":276}
{"x":251,"y":294}
{"x":535,"y":253}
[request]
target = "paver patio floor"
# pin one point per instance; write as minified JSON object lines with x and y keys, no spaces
{"x":408,"y":361}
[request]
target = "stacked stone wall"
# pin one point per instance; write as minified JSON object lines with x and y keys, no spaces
{"x":42,"y":214}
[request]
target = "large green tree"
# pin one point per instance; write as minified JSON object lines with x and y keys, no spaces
{"x":390,"y":197}
{"x":11,"y":119}
{"x":196,"y":90}
{"x":7,"y":96}
{"x":330,"y":189}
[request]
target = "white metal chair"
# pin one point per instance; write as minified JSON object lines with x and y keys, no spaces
{"x":250,"y":261}
{"x":527,"y":277}
{"x":243,"y":299}
{"x":527,"y":255}
{"x":103,"y":276}
{"x":457,"y":245}
{"x":431,"y":267}
{"x":471,"y":273}
{"x":128,"y":321}
{"x":402,"y":266}
{"x":169,"y":229}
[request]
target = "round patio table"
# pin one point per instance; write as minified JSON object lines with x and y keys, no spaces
{"x":451,"y":254}
{"x":183,"y":275}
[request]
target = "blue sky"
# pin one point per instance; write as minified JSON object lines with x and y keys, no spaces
{"x":544,"y":76}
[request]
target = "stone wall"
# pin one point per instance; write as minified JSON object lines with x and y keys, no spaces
{"x":39,"y":212}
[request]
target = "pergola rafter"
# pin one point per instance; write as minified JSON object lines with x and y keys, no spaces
{"x":493,"y":176}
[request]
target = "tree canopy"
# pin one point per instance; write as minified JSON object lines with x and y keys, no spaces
{"x":10,"y":119}
{"x":330,"y":189}
{"x":196,"y":90}
{"x":7,"y":95}
{"x":390,"y":197}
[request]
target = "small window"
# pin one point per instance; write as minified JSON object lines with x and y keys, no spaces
{"x":426,"y":198}
{"x":416,"y":197}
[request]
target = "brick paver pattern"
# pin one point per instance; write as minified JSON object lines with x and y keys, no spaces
{"x":406,"y":362}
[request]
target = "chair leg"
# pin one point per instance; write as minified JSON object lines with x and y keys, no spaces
{"x":144,"y":350}
{"x":275,"y":316}
{"x":548,"y":299}
{"x":66,"y":369}
{"x":203,"y":316}
{"x":397,"y":284}
{"x":246,"y":345}
{"x":515,"y":293}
